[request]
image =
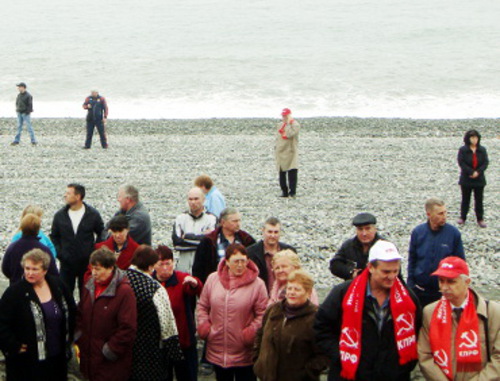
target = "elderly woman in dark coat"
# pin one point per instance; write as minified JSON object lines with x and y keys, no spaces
{"x":157,"y":341}
{"x":473,"y":161}
{"x":37,"y":316}
{"x":285,"y":347}
{"x":106,"y":321}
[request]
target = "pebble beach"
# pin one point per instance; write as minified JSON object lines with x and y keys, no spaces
{"x":388,"y":167}
{"x":347,"y":165}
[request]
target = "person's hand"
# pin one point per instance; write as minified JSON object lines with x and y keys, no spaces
{"x":475,"y":175}
{"x":191,"y":281}
{"x":23,"y":348}
{"x":89,"y":106}
{"x":104,"y":121}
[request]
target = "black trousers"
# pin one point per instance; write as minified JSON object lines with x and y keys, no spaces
{"x":478,"y":201}
{"x":237,"y":373}
{"x":91,"y":124}
{"x":289,"y":189}
{"x":187,"y":369}
{"x":69,"y":275}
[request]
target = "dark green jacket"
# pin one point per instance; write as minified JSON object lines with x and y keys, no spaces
{"x":24,"y":103}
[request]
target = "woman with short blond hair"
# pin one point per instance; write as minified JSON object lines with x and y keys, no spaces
{"x":37,"y":316}
{"x":285,"y":347}
{"x":284,"y":262}
{"x":42,"y":237}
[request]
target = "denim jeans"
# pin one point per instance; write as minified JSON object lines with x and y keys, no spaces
{"x":21,"y":118}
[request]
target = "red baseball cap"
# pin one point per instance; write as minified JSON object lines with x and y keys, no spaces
{"x":286,"y":111}
{"x":452,"y":267}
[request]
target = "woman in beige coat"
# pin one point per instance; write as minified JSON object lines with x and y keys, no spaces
{"x":287,"y":152}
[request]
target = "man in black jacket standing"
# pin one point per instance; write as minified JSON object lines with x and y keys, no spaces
{"x":75,"y":230}
{"x":24,"y":108}
{"x":262,"y":252}
{"x":368,"y":326}
{"x":352,"y":256}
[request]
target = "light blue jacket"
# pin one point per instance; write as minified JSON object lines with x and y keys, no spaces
{"x":215,"y":202}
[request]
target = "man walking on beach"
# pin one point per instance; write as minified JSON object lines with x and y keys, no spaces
{"x":24,"y":108}
{"x":459,"y":339}
{"x":368,"y":326}
{"x":352,"y":257}
{"x":431,"y":242}
{"x":96,"y":118}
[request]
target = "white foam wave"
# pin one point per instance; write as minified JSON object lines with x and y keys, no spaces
{"x":458,"y":107}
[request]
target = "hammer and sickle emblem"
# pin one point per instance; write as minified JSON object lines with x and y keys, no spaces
{"x":468,"y":342}
{"x":441,"y":358}
{"x":349,"y":338}
{"x":407,"y":324}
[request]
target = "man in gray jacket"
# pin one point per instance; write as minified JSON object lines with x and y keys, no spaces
{"x":24,"y":108}
{"x":136,"y":213}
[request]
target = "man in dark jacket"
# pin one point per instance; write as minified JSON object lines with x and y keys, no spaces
{"x":24,"y":108}
{"x":75,"y":230}
{"x":96,"y":118}
{"x":431,"y":242}
{"x":262,"y":252}
{"x":212,"y":248}
{"x":368,"y":326}
{"x":352,"y":256}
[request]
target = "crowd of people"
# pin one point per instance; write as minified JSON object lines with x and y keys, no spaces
{"x":142,"y":310}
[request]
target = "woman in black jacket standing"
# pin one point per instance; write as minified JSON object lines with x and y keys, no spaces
{"x":473,"y":161}
{"x":37,"y":316}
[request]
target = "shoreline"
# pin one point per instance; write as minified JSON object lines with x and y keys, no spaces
{"x":345,"y":126}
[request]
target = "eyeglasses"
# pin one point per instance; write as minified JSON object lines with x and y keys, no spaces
{"x":238,"y":261}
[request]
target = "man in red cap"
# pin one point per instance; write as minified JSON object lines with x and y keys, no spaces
{"x":287,"y":152}
{"x":459,"y":339}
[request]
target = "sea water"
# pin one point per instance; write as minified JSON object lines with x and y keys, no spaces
{"x":233,"y":58}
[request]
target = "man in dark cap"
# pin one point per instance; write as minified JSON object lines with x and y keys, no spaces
{"x":352,"y":256}
{"x":24,"y":108}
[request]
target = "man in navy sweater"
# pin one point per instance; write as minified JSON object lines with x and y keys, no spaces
{"x":97,"y":114}
{"x":430,"y":242}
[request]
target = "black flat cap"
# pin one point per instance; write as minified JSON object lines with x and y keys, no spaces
{"x":21,"y":84}
{"x":364,"y":219}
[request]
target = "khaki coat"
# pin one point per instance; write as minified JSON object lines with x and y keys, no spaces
{"x":287,"y":150}
{"x":490,"y":370}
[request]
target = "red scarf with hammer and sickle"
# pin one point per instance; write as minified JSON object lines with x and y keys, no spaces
{"x":467,"y":343}
{"x":403,"y":314}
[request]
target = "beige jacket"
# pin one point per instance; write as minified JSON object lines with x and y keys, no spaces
{"x":490,"y":370}
{"x":287,"y":150}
